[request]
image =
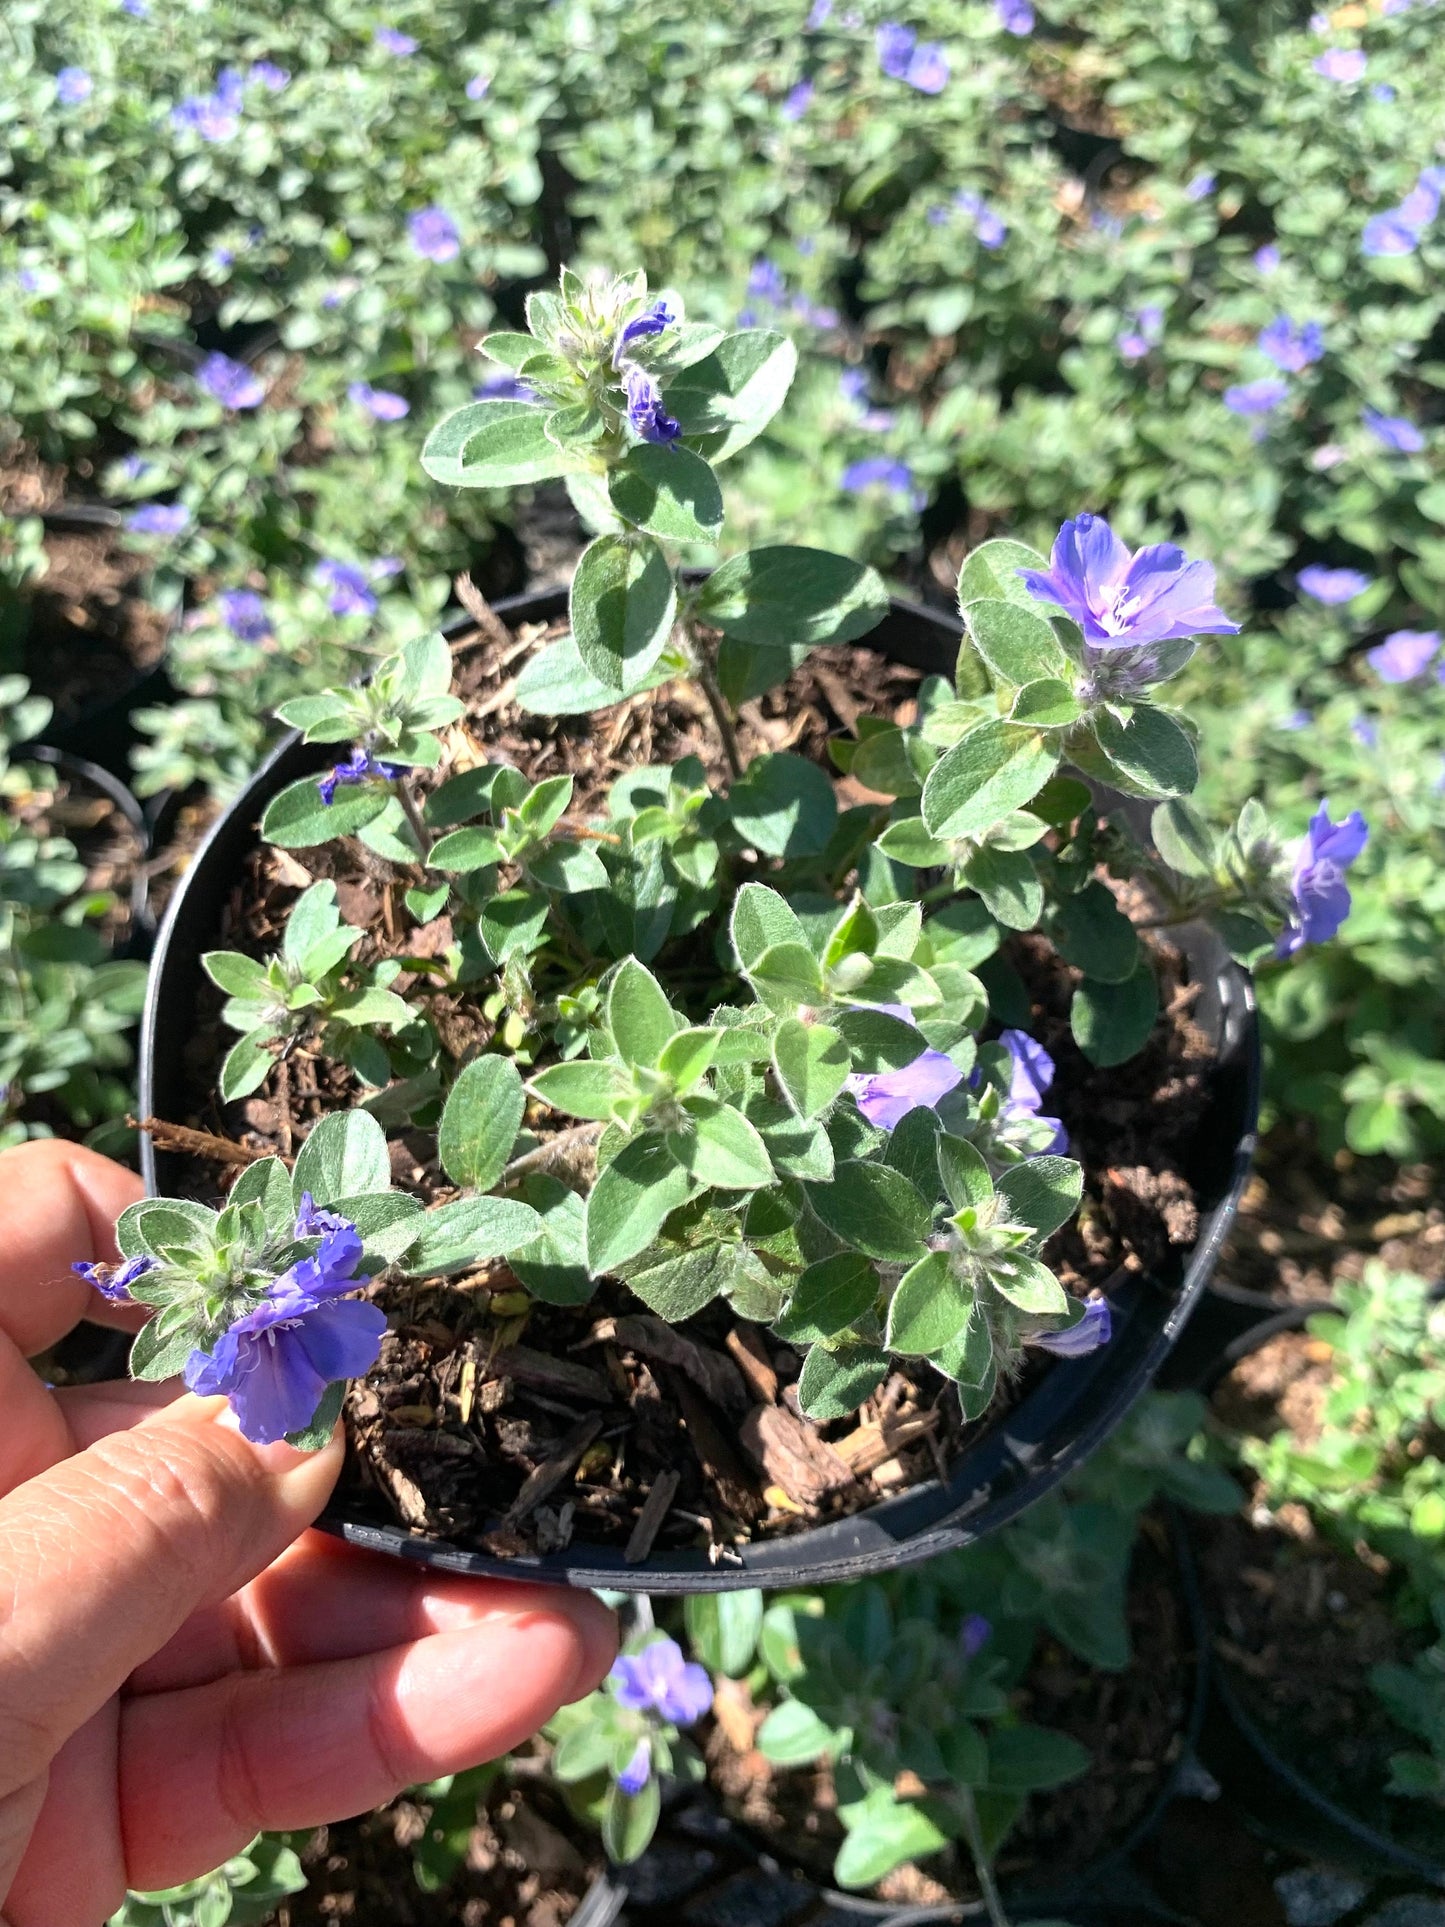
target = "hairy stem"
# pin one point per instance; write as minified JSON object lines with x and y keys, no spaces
{"x":982,"y":1865}
{"x":413,"y":816}
{"x":721,"y":715}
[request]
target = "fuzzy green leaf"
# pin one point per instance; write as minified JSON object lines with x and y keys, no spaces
{"x":480,"y":1121}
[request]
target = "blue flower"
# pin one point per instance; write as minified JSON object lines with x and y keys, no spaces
{"x":638,"y":1770}
{"x":877,"y":471}
{"x":360,"y":767}
{"x":886,"y":1097}
{"x":1088,"y":1332}
{"x":1389,"y":233}
{"x":215,"y":117}
{"x":1332,"y":585}
{"x":1394,"y":431}
{"x":244,"y":614}
{"x":1015,"y":16}
{"x":1200,"y":187}
{"x":819,"y":15}
{"x":766,"y":282}
{"x":1381,"y":92}
{"x":1121,"y":600}
{"x":434,"y":234}
{"x":231,"y":382}
{"x":478,"y":86}
{"x":798,"y":101}
{"x":1256,"y":397}
{"x":922,"y":64}
{"x":114,"y":1281}
{"x":159,"y":518}
{"x":659,"y":1680}
{"x":137,"y":9}
{"x":390,"y":41}
{"x":1365,"y":733}
{"x":275,"y":1363}
{"x":1292,"y":347}
{"x":974,"y":1634}
{"x":1404,"y":654}
{"x":378,"y":402}
{"x":1267,"y":258}
{"x":133,"y":467}
{"x":657,"y":317}
{"x":504,"y":387}
{"x":644,"y":407}
{"x":987,"y":225}
{"x":1031,"y":1075}
{"x":1321,"y":898}
{"x":1136,"y":341}
{"x":1296,"y":719}
{"x":72,"y":86}
{"x":1342,"y":64}
{"x":350,"y":588}
{"x":313,"y":1222}
{"x":265,"y":73}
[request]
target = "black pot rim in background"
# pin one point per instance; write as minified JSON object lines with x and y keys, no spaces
{"x":1066,"y":1417}
{"x":142,"y":923}
{"x":1281,"y":1802}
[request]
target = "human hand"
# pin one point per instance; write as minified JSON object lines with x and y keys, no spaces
{"x":182,"y":1664}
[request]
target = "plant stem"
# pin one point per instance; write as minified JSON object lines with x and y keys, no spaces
{"x":703,"y":669}
{"x":982,"y":1865}
{"x":413,"y":816}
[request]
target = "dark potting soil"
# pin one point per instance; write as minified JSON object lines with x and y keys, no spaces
{"x":1133,"y":1724}
{"x":91,"y":633}
{"x":105,"y":840}
{"x":527,"y":1864}
{"x":559,"y":1422}
{"x":1300,"y":1619}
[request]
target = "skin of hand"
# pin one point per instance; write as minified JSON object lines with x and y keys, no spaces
{"x":183,"y":1663}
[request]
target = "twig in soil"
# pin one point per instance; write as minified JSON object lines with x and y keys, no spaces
{"x":650,"y":1519}
{"x":873,"y":1445}
{"x":544,"y":1479}
{"x":199,"y":1144}
{"x":576,"y":1138}
{"x":490,"y":626}
{"x":283,"y":1105}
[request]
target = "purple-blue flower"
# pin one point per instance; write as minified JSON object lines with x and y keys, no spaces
{"x":638,"y":1770}
{"x":1200,"y":187}
{"x":1031,"y":1074}
{"x":1256,"y":397}
{"x":1085,"y":1335}
{"x":657,"y":318}
{"x":244,"y":614}
{"x":391,"y":41}
{"x":275,"y":1363}
{"x":797,"y":101}
{"x":114,"y":1281}
{"x":974,"y":1634}
{"x":360,"y":767}
{"x":1404,"y":654}
{"x":1292,"y":347}
{"x":819,"y":15}
{"x":1365,"y":733}
{"x":1382,"y":92}
{"x":232,"y":383}
{"x":137,"y":9}
{"x":133,"y":467}
{"x":922,"y":64}
{"x":989,"y":227}
{"x":886,"y":1097}
{"x":1394,"y":431}
{"x":1267,"y":258}
{"x":659,"y":1680}
{"x":1389,"y":233}
{"x":1015,"y":16}
{"x":1321,"y":898}
{"x":312,"y":1221}
{"x":1147,"y":328}
{"x":1296,"y":719}
{"x":877,"y":471}
{"x":350,"y":588}
{"x":1121,"y":600}
{"x":1333,"y":585}
{"x":378,"y":402}
{"x":1343,"y":64}
{"x":644,"y":407}
{"x":159,"y":518}
{"x":434,"y":234}
{"x":265,"y":73}
{"x":215,"y":117}
{"x":72,"y":86}
{"x":766,"y":282}
{"x":504,"y":386}
{"x":478,"y":86}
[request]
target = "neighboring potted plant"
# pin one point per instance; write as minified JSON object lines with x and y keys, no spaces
{"x":720,"y":1121}
{"x":1326,"y":1589}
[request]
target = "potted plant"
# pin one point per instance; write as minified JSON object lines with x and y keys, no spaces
{"x":1326,"y":1588}
{"x":699,"y":1129}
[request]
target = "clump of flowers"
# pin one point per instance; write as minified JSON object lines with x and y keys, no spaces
{"x":614,"y":1749}
{"x":757,"y":1010}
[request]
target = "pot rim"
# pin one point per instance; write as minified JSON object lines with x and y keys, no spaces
{"x":1052,"y":1430}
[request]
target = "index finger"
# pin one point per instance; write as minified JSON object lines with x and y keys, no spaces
{"x":60,"y":1204}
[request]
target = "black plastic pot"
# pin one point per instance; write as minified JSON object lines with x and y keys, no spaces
{"x":1052,"y":1430}
{"x":1283,"y":1803}
{"x":79,"y":769}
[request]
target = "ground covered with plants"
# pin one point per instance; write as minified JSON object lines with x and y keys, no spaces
{"x":1178,"y":267}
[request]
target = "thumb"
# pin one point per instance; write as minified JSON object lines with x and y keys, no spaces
{"x":106,"y":1555}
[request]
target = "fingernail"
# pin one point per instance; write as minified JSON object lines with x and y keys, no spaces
{"x":278,"y":1458}
{"x":598,"y":1627}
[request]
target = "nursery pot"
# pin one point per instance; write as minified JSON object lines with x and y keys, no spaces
{"x":1283,"y":1802}
{"x":79,"y":769}
{"x":1052,"y":1429}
